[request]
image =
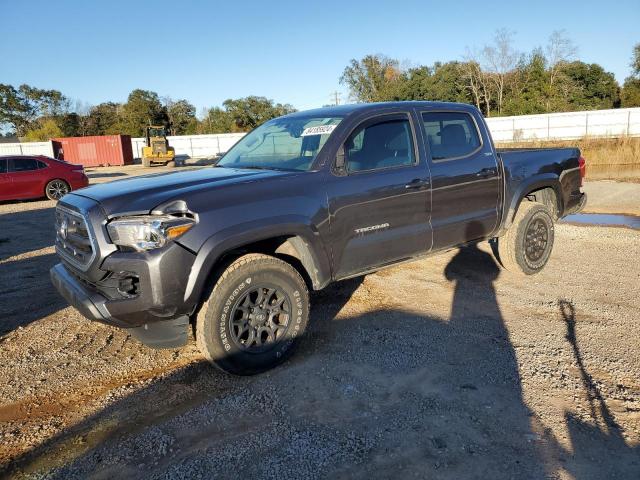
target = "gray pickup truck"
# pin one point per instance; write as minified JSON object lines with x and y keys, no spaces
{"x":231,"y":251}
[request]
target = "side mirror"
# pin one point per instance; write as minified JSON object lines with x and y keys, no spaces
{"x":341,"y":164}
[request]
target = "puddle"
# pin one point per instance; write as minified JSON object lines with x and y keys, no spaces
{"x":603,"y":219}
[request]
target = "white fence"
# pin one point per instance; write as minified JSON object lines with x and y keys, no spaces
{"x":28,"y":148}
{"x":566,"y":126}
{"x":552,"y":126}
{"x":194,"y":145}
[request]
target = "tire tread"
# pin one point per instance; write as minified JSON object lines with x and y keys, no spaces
{"x":248,"y":259}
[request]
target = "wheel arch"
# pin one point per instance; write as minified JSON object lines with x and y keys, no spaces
{"x":295,"y":243}
{"x":535,"y":187}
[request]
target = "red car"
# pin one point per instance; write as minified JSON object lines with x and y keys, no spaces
{"x":23,"y":177}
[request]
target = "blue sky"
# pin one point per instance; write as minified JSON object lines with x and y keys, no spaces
{"x":292,"y":52}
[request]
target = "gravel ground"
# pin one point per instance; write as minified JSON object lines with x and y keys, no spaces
{"x":608,"y":196}
{"x":446,"y":368}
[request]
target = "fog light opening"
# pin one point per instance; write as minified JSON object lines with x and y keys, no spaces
{"x":129,"y":285}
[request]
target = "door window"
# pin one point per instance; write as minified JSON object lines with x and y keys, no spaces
{"x":24,"y":164}
{"x":3,"y":165}
{"x":450,"y":134}
{"x":380,"y":145}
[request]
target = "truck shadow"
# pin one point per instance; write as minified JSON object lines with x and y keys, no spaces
{"x":367,"y":395}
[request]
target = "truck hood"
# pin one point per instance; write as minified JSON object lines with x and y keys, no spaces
{"x":141,"y":194}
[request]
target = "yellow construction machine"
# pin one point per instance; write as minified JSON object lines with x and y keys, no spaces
{"x":157,"y":149}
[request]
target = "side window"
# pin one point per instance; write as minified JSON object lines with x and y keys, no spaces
{"x":41,"y":164}
{"x":450,"y":134}
{"x":380,"y":145}
{"x":3,"y":165}
{"x":24,"y":164}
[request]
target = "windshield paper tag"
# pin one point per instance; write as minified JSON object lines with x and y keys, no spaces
{"x":318,"y":130}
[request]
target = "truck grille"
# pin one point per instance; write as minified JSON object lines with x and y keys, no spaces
{"x":73,"y":238}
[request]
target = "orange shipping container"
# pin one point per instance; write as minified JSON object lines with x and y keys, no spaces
{"x":94,"y":151}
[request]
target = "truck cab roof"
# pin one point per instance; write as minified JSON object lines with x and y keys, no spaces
{"x":354,"y":108}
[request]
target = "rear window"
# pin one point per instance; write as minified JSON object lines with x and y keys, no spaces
{"x":450,"y":134}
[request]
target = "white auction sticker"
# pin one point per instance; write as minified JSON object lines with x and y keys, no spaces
{"x":318,"y":130}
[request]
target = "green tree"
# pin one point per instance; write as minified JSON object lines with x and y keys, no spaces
{"x":46,"y":130}
{"x":21,"y":107}
{"x":71,"y":124}
{"x":630,"y":95}
{"x":591,"y":87}
{"x":217,"y":120}
{"x":182,"y":116}
{"x":528,"y":93}
{"x":250,"y":112}
{"x":143,"y":107}
{"x":374,"y":78}
{"x":103,"y":119}
{"x":442,"y":82}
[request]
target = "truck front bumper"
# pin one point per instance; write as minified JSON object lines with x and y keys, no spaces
{"x":156,"y":314}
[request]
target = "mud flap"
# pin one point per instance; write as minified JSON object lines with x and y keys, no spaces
{"x":163,"y":334}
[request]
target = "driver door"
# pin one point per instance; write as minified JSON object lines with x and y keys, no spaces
{"x":379,"y":206}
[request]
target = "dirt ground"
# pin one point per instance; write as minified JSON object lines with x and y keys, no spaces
{"x":446,"y":368}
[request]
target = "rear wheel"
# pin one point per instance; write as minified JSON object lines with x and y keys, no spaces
{"x":56,"y":189}
{"x":255,"y":315}
{"x":527,"y":244}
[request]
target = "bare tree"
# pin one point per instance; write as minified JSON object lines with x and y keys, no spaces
{"x":500,"y":59}
{"x":559,"y":51}
{"x":477,"y":81}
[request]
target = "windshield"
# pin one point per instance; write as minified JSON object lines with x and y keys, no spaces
{"x":282,"y":144}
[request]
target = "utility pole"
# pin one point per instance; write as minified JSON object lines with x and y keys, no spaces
{"x":335,"y":96}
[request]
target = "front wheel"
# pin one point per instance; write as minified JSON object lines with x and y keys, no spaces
{"x":527,"y":244}
{"x":255,"y":315}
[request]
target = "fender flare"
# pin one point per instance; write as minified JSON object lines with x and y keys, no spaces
{"x":304,"y":240}
{"x":545,"y":180}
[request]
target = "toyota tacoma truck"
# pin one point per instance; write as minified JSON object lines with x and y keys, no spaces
{"x":231,"y":251}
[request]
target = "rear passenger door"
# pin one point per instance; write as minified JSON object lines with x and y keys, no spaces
{"x":466,"y":184}
{"x":379,"y":204}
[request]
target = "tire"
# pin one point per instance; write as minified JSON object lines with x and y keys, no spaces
{"x":56,"y":189}
{"x":233,"y":330}
{"x":526,"y":246}
{"x":146,"y":162}
{"x":171,"y":164}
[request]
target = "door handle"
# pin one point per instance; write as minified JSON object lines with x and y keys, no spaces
{"x":417,"y":183}
{"x":486,"y":172}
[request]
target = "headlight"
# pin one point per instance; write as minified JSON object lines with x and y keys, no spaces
{"x":146,"y":232}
